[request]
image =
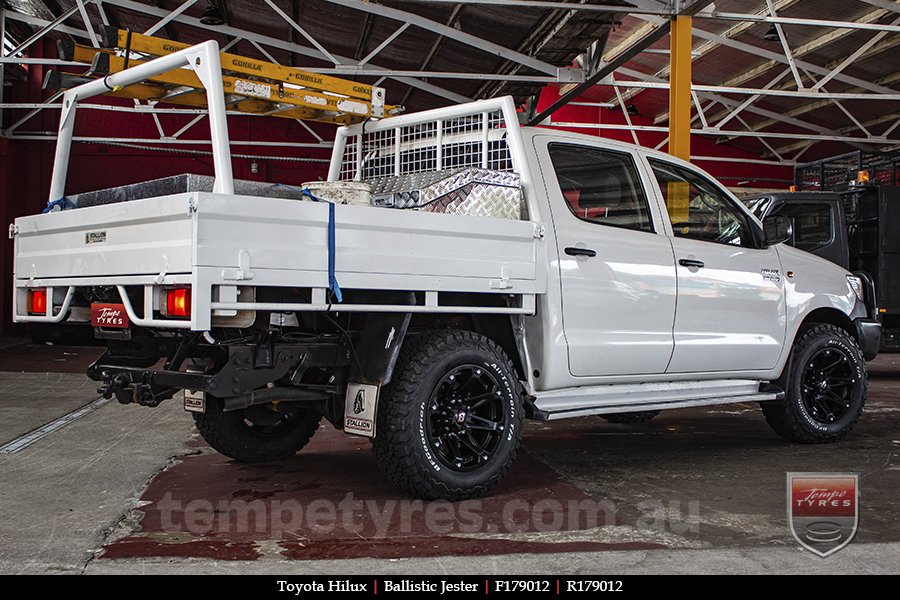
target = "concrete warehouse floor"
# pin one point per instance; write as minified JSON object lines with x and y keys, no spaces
{"x":129,"y":489}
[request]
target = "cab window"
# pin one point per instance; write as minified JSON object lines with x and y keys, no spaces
{"x":601,"y":186}
{"x":699,"y":210}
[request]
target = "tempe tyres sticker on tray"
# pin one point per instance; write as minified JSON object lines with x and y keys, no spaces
{"x":109,"y":315}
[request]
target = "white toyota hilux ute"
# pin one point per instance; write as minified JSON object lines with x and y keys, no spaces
{"x":485,"y":274}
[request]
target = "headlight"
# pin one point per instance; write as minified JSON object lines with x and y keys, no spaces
{"x":856,"y":285}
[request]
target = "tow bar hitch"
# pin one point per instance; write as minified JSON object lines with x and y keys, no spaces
{"x":127,"y":393}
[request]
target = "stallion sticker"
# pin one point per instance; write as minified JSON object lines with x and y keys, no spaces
{"x":823,"y":510}
{"x":95,"y":237}
{"x":359,"y":409}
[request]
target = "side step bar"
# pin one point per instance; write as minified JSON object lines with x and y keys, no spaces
{"x":599,"y":400}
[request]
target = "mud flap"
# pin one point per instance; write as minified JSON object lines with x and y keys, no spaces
{"x":194,"y":401}
{"x":360,"y":404}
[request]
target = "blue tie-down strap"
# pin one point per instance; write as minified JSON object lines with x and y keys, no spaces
{"x":62,"y":204}
{"x":332,"y":279}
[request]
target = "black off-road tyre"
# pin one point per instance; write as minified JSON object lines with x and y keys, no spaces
{"x":825,"y":384}
{"x":256,"y":434}
{"x":452,"y":393}
{"x":631,"y":418}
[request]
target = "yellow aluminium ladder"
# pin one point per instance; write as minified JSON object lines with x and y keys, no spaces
{"x":251,"y":85}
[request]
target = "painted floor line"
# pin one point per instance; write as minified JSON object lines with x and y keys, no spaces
{"x":22,"y":442}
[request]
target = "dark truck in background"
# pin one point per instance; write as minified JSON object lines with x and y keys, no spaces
{"x":847,"y":210}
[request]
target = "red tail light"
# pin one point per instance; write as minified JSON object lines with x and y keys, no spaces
{"x":178,"y":302}
{"x":37,"y":302}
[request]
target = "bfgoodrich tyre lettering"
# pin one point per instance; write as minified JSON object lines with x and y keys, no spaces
{"x":450,"y":422}
{"x":825,"y":387}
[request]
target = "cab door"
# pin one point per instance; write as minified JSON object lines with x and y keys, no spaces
{"x":617,"y":271}
{"x":731,"y":304}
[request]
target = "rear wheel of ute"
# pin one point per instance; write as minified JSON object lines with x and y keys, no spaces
{"x":450,"y":422}
{"x":260,"y":433}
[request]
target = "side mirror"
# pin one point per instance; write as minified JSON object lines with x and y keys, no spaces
{"x":778,"y":229}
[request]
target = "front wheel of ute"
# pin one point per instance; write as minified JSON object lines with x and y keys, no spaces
{"x":450,"y":422}
{"x":255,"y":434}
{"x":825,"y":388}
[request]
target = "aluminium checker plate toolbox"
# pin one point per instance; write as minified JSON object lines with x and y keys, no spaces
{"x":468,"y":191}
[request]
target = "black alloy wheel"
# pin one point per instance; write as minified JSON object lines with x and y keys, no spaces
{"x":466,"y":418}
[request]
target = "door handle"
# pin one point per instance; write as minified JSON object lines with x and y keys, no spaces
{"x":575,"y":251}
{"x":691,"y":262}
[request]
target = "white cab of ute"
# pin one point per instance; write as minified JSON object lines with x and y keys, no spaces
{"x":669,"y":292}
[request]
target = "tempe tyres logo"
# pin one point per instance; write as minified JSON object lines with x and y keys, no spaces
{"x":823,"y":510}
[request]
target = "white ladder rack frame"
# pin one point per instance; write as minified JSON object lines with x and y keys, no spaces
{"x":203,"y":59}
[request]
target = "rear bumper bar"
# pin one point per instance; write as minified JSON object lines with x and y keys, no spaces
{"x":59,"y":307}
